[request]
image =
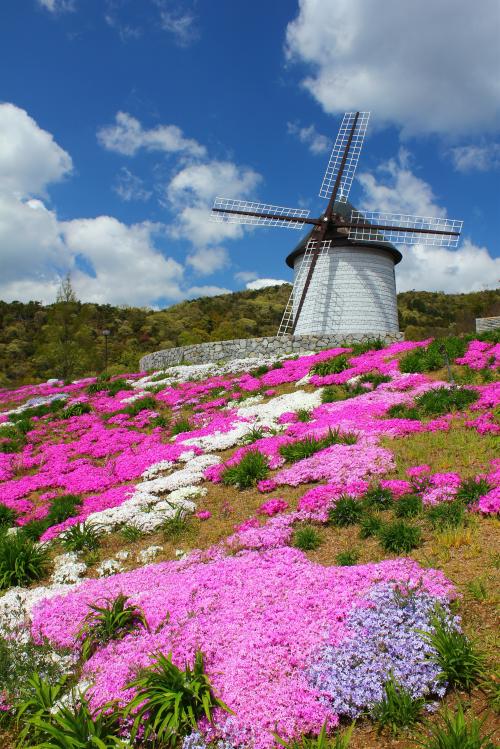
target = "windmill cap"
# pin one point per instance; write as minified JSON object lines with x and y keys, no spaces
{"x":345,"y":210}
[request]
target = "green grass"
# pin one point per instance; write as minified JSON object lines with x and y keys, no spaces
{"x":347,"y":558}
{"x":252,"y":468}
{"x":431,"y":358}
{"x":398,"y":709}
{"x":148,"y":403}
{"x":304,"y":448}
{"x":408,"y":506}
{"x":455,"y":732}
{"x":112,"y":621}
{"x":461,"y":664}
{"x":22,"y":561}
{"x":335,"y":365}
{"x":378,"y":498}
{"x":347,"y":511}
{"x":449,"y":514}
{"x":306,"y":538}
{"x":81,"y":537}
{"x":399,"y":537}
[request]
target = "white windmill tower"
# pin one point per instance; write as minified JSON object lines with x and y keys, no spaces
{"x":344,"y":279}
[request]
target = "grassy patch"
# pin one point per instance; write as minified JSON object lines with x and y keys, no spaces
{"x":252,"y":467}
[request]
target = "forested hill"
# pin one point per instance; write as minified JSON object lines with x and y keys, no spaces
{"x":65,"y":339}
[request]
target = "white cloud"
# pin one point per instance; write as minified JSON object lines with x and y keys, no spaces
{"x":469,"y":268}
{"x":317,"y":143}
{"x":129,"y":268}
{"x":30,"y":159}
{"x":426,"y":67}
{"x":57,"y":6}
{"x":263,"y":283}
{"x":207,"y":260}
{"x":396,"y":189}
{"x":245,"y":275}
{"x":181,"y":25}
{"x":37,"y":248}
{"x":480,"y":158}
{"x":130,"y":187}
{"x":191,"y":193}
{"x":31,"y":244}
{"x":197,"y":291}
{"x":128,"y":136}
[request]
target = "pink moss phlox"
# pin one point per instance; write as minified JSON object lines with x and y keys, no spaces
{"x":203,"y":514}
{"x":246,"y":611}
{"x":481,"y":355}
{"x":272,"y":507}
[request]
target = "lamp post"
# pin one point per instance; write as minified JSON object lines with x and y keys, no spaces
{"x":106,"y":334}
{"x":444,"y":354}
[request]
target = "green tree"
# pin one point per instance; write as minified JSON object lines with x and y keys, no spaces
{"x":67,"y":342}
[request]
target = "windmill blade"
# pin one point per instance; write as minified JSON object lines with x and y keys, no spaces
{"x":352,"y":157}
{"x":227,"y":211}
{"x":400,"y":228}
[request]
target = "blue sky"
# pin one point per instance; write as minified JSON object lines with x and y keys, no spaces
{"x":120,"y":120}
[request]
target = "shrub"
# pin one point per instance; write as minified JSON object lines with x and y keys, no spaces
{"x":399,"y":537}
{"x":130,"y":533}
{"x":455,"y":733}
{"x":335,"y":365}
{"x":402,"y":411}
{"x":252,"y":467}
{"x":259,"y":371}
{"x":170,"y":701}
{"x":447,"y":514}
{"x":33,"y":530}
{"x":141,"y":404}
{"x":334,"y":393}
{"x":398,"y":709}
{"x":111,"y":388}
{"x":21,"y":560}
{"x":42,"y":410}
{"x":294,"y":451}
{"x":378,"y":498}
{"x":408,"y":506}
{"x":306,"y":538}
{"x":159,"y":421}
{"x":444,"y":400}
{"x":370,"y":525}
{"x":470,"y":490}
{"x":20,"y":657}
{"x":81,"y":537}
{"x":158,"y":376}
{"x":461,"y":664}
{"x":62,"y":508}
{"x":7,"y":516}
{"x":347,"y":511}
{"x":76,"y":409}
{"x":347,"y":558}
{"x":253,"y":435}
{"x":176,"y":525}
{"x":430,"y":359}
{"x":374,"y":378}
{"x":66,"y":727}
{"x":374,"y":344}
{"x":113,"y":621}
{"x":321,"y":741}
{"x":183,"y":425}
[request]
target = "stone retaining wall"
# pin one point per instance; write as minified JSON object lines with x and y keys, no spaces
{"x":217,"y":351}
{"x":487,"y":323}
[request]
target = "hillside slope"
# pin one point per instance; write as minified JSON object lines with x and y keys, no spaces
{"x":319,"y":528}
{"x":30,"y":333}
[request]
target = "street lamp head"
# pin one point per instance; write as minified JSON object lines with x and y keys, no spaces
{"x":106,"y":332}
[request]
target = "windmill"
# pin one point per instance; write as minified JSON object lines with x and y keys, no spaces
{"x":344,"y":277}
